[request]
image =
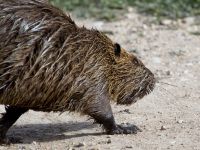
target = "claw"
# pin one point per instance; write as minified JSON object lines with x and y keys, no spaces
{"x":131,"y":129}
{"x":4,"y":141}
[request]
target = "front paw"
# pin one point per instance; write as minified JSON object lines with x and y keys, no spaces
{"x":10,"y":140}
{"x":125,"y":129}
{"x":4,"y":141}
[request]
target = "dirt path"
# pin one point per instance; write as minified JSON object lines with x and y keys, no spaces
{"x":169,"y":117}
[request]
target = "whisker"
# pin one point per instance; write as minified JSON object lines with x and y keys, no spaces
{"x":168,"y":92}
{"x":167,"y":84}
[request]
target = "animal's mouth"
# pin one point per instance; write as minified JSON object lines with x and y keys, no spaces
{"x":146,"y":86}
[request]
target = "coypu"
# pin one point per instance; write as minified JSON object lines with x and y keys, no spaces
{"x":48,"y":63}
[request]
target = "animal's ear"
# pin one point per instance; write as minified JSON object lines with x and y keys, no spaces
{"x":117,"y":49}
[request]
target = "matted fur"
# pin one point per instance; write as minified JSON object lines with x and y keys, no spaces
{"x":48,"y":63}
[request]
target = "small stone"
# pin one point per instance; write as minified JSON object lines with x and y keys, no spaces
{"x":95,"y":148}
{"x":130,"y":9}
{"x":180,"y":121}
{"x":144,"y":26}
{"x":127,"y":111}
{"x":156,"y":60}
{"x":163,"y":128}
{"x":168,"y":73}
{"x":109,"y":141}
{"x":108,"y":136}
{"x":172,"y":142}
{"x":129,"y":146}
{"x":21,"y":148}
{"x":166,"y":22}
{"x":98,"y":24}
{"x":34,"y":142}
{"x":159,"y":135}
{"x":189,"y":20}
{"x":79,"y":145}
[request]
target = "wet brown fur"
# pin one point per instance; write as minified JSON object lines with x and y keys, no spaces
{"x":48,"y":63}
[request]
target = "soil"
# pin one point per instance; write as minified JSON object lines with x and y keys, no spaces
{"x":169,"y":116}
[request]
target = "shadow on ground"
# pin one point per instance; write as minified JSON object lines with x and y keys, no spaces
{"x":48,"y":132}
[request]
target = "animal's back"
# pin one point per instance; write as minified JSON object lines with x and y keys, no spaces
{"x":44,"y":56}
{"x":30,"y":34}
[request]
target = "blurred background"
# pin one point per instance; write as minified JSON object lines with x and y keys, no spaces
{"x":111,"y":9}
{"x":165,"y":35}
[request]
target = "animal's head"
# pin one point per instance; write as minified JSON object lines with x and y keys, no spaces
{"x":130,"y":79}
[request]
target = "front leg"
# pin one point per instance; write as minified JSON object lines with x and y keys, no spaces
{"x":101,"y":111}
{"x":111,"y":127}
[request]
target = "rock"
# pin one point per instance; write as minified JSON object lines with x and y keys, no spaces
{"x":156,"y":60}
{"x":189,"y":20}
{"x":129,"y":146}
{"x":163,"y":128}
{"x":130,"y":9}
{"x":108,"y":136}
{"x":79,"y":145}
{"x":173,"y":142}
{"x":166,"y":22}
{"x":98,"y":24}
{"x":127,"y":111}
{"x":168,"y":73}
{"x":109,"y":141}
{"x":21,"y":148}
{"x":144,"y":26}
{"x":180,"y":121}
{"x":34,"y":142}
{"x":95,"y":148}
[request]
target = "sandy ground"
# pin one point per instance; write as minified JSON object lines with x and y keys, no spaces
{"x":169,"y":116}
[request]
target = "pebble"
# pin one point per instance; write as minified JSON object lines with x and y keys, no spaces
{"x":34,"y":142}
{"x":156,"y":60}
{"x":163,"y":128}
{"x":168,"y":73}
{"x":144,"y":26}
{"x":127,"y":111}
{"x":180,"y":121}
{"x":95,"y":148}
{"x":189,"y":20}
{"x":109,"y":141}
{"x":108,"y":136}
{"x":166,"y":22}
{"x":129,"y":146}
{"x":79,"y":145}
{"x":21,"y":148}
{"x":98,"y":24}
{"x":130,"y":9}
{"x":172,"y":142}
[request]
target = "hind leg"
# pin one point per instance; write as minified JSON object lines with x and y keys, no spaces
{"x":8,"y":119}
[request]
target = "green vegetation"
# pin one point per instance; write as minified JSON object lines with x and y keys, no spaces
{"x":109,"y":9}
{"x":172,"y":9}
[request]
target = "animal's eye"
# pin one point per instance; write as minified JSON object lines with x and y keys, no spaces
{"x":117,"y":49}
